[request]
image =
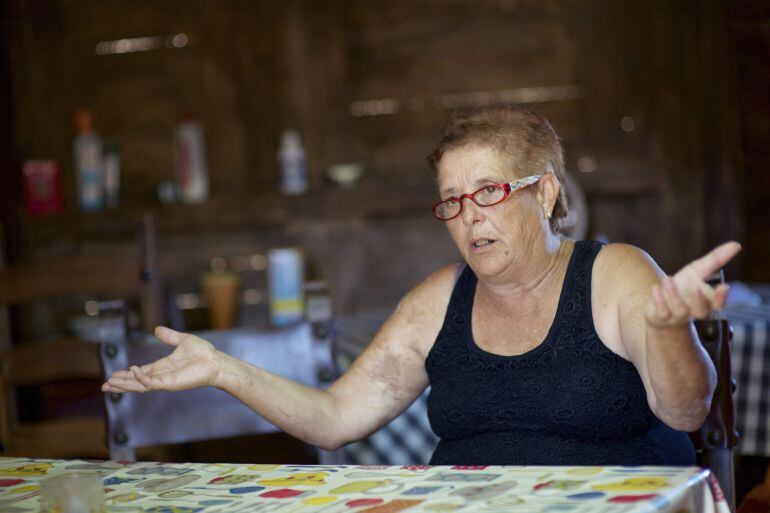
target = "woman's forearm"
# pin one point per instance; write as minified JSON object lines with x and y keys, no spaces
{"x":307,"y":413}
{"x":682,"y":375}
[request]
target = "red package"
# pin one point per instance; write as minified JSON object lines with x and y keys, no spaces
{"x":42,"y":187}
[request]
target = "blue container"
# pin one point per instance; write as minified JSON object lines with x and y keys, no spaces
{"x":285,"y":277}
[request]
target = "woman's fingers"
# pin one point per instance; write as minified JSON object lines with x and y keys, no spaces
{"x":136,"y":379}
{"x":720,"y":296}
{"x":119,"y":378}
{"x":169,"y":336}
{"x":674,"y":300}
{"x":715,"y":259}
{"x":155,"y":380}
{"x":706,"y":290}
{"x":143,"y":378}
{"x":700,"y":306}
{"x":122,"y":374}
{"x":123,"y":385}
{"x":661,"y":308}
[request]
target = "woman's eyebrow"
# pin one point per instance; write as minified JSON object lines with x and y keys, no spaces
{"x":489,"y":179}
{"x":479,"y":182}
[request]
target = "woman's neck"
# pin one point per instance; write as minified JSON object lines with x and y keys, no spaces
{"x":535,"y":279}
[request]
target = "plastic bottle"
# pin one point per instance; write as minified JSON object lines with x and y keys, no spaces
{"x":89,"y":166}
{"x":111,"y":161}
{"x":285,"y":276}
{"x":293,"y":167}
{"x":190,"y":157}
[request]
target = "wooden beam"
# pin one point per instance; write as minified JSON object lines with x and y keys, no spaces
{"x":45,"y":362}
{"x":104,"y":276}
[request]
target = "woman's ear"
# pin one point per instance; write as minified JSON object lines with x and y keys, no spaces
{"x":548,"y":192}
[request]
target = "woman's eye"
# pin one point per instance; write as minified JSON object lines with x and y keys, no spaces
{"x":490,"y":189}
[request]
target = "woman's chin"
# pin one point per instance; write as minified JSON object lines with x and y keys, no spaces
{"x":484,"y":267}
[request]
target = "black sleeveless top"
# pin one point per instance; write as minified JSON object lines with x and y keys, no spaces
{"x":568,"y":401}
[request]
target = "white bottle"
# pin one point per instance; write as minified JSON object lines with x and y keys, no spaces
{"x":88,"y":163}
{"x":293,"y":166}
{"x":111,"y":163}
{"x":190,"y":158}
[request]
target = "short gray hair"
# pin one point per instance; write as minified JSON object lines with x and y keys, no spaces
{"x":519,"y":134}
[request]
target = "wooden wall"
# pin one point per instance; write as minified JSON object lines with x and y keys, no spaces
{"x":749,"y":22}
{"x":673,"y":185}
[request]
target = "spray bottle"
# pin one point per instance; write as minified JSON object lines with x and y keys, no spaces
{"x":89,"y":165}
{"x":293,"y":166}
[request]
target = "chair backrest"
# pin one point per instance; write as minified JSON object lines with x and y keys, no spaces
{"x":715,"y":441}
{"x":62,"y":364}
{"x":303,"y":352}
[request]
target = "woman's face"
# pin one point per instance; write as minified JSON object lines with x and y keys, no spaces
{"x":494,"y":239}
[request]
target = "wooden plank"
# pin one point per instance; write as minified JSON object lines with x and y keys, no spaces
{"x":105,"y":276}
{"x":61,"y":438}
{"x":45,"y":362}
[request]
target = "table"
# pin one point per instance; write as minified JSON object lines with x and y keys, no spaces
{"x":151,"y":487}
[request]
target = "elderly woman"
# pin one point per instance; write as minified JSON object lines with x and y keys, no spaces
{"x":538,"y":349}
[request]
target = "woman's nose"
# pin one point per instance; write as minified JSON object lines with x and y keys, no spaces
{"x":471,"y":212}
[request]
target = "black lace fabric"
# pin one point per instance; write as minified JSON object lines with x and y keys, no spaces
{"x":568,"y":401}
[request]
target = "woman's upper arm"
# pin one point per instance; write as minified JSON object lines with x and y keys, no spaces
{"x":390,"y":374}
{"x":624,"y":276}
{"x":675,"y":369}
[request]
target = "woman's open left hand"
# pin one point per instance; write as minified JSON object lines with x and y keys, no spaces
{"x":686,"y":294}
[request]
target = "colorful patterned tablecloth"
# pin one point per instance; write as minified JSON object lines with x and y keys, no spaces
{"x":150,"y":487}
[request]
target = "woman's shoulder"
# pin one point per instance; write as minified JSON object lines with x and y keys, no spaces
{"x":436,"y":288}
{"x":420,"y":314}
{"x":625,"y":259}
{"x":620,"y":268}
{"x":622,"y":276}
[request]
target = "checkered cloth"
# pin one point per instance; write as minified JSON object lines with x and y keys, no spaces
{"x":408,"y":439}
{"x":750,"y":355}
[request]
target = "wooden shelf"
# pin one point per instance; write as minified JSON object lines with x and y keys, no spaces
{"x":265,"y":210}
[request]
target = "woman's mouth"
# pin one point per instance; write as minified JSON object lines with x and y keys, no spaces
{"x":482,"y":244}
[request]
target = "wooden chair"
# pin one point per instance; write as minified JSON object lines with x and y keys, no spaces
{"x":715,"y":441}
{"x":67,"y":363}
{"x":303,"y":352}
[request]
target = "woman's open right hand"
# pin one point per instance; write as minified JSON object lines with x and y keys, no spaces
{"x":192,"y":364}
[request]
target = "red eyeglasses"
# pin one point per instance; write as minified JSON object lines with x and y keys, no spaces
{"x":485,"y":197}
